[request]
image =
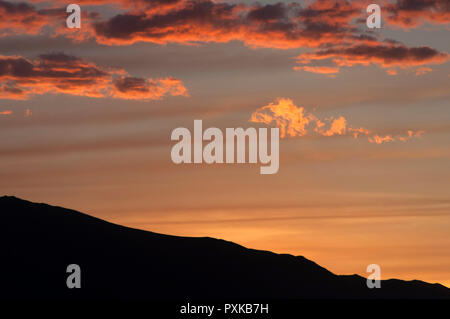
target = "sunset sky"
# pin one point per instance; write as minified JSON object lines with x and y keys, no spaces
{"x":86,"y":117}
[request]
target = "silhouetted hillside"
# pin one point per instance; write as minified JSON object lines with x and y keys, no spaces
{"x":39,"y":241}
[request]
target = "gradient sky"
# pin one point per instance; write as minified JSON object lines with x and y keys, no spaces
{"x":86,"y":117}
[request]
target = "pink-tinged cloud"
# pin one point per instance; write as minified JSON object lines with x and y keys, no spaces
{"x":294,"y":121}
{"x":7,"y":112}
{"x":58,"y":73}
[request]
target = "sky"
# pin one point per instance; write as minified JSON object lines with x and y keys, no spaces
{"x":86,"y":117}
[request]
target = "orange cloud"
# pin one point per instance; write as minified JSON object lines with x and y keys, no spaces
{"x":385,"y":55}
{"x":412,"y":14}
{"x":381,"y":139}
{"x":7,"y":112}
{"x":389,"y":138}
{"x":141,"y":89}
{"x":392,"y":71}
{"x":405,"y":13}
{"x":21,"y":17}
{"x":338,"y":127}
{"x":58,"y":73}
{"x":337,"y":25}
{"x":356,"y":132}
{"x":126,"y":4}
{"x":423,"y":70}
{"x":318,"y":69}
{"x":277,"y":25}
{"x":293,"y":121}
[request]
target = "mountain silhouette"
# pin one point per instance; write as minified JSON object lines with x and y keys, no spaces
{"x":39,"y":242}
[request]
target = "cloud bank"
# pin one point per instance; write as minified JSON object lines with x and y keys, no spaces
{"x":334,"y":30}
{"x":59,"y":73}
